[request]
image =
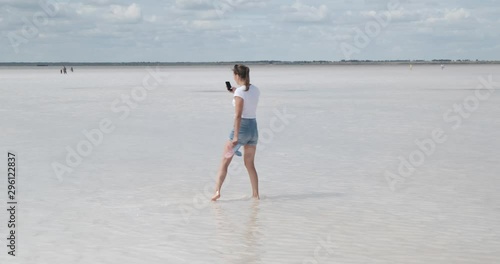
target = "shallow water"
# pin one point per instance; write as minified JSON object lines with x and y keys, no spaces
{"x":328,"y":135}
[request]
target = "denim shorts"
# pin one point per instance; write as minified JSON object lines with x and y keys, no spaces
{"x":249,"y":134}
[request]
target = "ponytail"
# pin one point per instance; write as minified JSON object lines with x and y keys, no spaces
{"x":244,"y":73}
{"x":247,"y":79}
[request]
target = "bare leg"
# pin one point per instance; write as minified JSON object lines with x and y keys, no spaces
{"x":221,"y":175}
{"x":249,"y":158}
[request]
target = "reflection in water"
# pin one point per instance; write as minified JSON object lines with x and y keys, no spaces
{"x":236,"y":243}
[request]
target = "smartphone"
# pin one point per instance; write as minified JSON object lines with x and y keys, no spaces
{"x":229,"y":86}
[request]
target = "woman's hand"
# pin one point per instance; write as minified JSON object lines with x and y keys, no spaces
{"x":234,"y":142}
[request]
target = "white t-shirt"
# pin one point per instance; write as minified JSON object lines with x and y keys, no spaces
{"x":250,"y":100}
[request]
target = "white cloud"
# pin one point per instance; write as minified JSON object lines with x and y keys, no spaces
{"x":456,"y":14}
{"x":398,"y":14}
{"x":449,"y":16}
{"x":394,"y":14}
{"x":194,"y":4}
{"x":125,"y":14}
{"x":86,"y":10}
{"x":98,"y":13}
{"x":299,"y":12}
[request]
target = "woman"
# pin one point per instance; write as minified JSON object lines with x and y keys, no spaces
{"x":245,"y":100}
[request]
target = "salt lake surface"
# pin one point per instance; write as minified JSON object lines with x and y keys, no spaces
{"x":357,"y":164}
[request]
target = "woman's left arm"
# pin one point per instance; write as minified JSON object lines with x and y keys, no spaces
{"x":238,"y":103}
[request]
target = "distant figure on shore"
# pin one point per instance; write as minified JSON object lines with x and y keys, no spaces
{"x":64,"y":70}
{"x":71,"y":69}
{"x":411,"y":67}
{"x":442,"y":66}
{"x":61,"y":71}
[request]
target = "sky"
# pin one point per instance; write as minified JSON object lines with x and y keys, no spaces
{"x":244,"y":30}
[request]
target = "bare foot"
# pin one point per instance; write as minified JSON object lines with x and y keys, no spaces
{"x":216,"y":196}
{"x":256,"y":197}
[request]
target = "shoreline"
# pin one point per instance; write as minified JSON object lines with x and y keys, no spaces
{"x":352,"y":62}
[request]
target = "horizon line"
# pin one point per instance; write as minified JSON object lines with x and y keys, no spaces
{"x":262,"y":62}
